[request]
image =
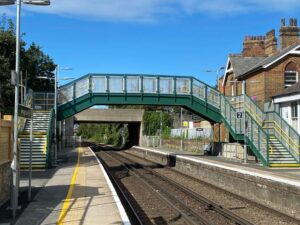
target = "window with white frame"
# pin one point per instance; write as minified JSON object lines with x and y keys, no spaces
{"x":290,"y":75}
{"x":294,"y":109}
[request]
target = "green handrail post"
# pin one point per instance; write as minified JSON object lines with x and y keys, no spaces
{"x":142,"y":84}
{"x":157,"y":86}
{"x":268,"y":154}
{"x":107,"y":84}
{"x":205,"y":92}
{"x":74,"y":91}
{"x":49,"y":138}
{"x":90,"y":84}
{"x":191,"y":90}
{"x":259,"y":139}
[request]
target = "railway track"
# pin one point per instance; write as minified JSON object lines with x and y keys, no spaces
{"x":187,"y":206}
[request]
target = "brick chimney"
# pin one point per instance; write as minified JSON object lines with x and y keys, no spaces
{"x":254,"y":46}
{"x":271,"y":43}
{"x":289,"y":35}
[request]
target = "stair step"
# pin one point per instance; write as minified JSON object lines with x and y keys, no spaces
{"x":282,"y":158}
{"x":284,"y":165}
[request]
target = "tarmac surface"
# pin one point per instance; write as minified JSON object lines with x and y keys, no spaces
{"x":78,"y":191}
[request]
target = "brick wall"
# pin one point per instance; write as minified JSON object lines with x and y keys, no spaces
{"x":275,"y":76}
{"x":228,"y":84}
{"x":266,"y":84}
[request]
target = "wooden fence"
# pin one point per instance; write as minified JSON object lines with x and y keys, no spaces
{"x":6,"y":137}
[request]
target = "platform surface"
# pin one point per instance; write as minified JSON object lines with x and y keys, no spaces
{"x":283,"y":175}
{"x":78,"y":193}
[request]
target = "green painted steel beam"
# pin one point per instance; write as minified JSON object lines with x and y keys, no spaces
{"x":84,"y":102}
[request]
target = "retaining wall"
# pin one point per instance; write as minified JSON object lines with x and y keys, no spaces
{"x":275,"y":193}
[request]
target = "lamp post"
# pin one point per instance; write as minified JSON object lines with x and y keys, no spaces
{"x":218,"y":73}
{"x":58,"y":68}
{"x":56,"y":81}
{"x":15,"y":163}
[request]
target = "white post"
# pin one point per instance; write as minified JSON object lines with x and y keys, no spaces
{"x":15,"y":163}
{"x":181,"y":141}
{"x":30,"y":157}
{"x":160,"y":141}
{"x":298,"y":116}
{"x":55,"y":116}
{"x":245,"y":133}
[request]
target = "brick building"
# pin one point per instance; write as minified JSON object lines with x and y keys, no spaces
{"x":263,"y":69}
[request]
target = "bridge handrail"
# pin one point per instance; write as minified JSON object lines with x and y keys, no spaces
{"x":49,"y":139}
{"x":144,"y":84}
{"x":88,"y":84}
{"x":285,"y":133}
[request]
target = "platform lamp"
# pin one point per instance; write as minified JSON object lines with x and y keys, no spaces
{"x":56,"y":80}
{"x":217,"y":72}
{"x":15,"y":163}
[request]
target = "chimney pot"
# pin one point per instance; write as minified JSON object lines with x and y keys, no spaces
{"x":283,"y":22}
{"x":289,"y":35}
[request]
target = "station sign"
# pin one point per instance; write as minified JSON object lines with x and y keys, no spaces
{"x":199,"y":129}
{"x":185,"y":124}
{"x":239,"y":114}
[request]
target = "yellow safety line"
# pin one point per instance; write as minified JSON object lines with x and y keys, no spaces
{"x":67,"y":201}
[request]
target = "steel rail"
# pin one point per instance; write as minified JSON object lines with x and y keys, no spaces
{"x":213,"y":206}
{"x":136,"y":217}
{"x":190,"y":216}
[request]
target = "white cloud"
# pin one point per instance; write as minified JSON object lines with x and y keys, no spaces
{"x":151,"y":10}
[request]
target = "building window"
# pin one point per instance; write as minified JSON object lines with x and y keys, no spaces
{"x":290,"y":75}
{"x":294,"y":107}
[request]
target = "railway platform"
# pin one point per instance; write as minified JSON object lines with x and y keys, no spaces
{"x":278,"y":189}
{"x":79,"y":192}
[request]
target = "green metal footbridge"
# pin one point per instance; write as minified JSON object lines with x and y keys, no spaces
{"x":271,"y":138}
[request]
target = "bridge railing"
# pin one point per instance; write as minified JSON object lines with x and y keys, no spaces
{"x":170,"y":85}
{"x":134,"y":84}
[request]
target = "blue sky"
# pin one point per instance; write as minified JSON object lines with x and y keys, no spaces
{"x":181,"y":37}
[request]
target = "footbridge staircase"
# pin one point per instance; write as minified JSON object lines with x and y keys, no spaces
{"x":42,"y":124}
{"x":271,"y":138}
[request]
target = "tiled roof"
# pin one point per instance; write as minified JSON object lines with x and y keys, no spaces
{"x":241,"y":64}
{"x":263,"y":61}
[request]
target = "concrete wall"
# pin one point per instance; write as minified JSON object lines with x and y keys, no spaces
{"x":110,"y":115}
{"x":282,"y":197}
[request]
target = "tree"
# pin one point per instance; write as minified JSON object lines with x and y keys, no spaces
{"x":7,"y":63}
{"x":152,"y":122}
{"x":34,"y":62}
{"x":38,"y":64}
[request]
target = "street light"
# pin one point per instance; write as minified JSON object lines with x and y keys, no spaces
{"x":56,"y":79}
{"x":15,"y":163}
{"x":218,"y":73}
